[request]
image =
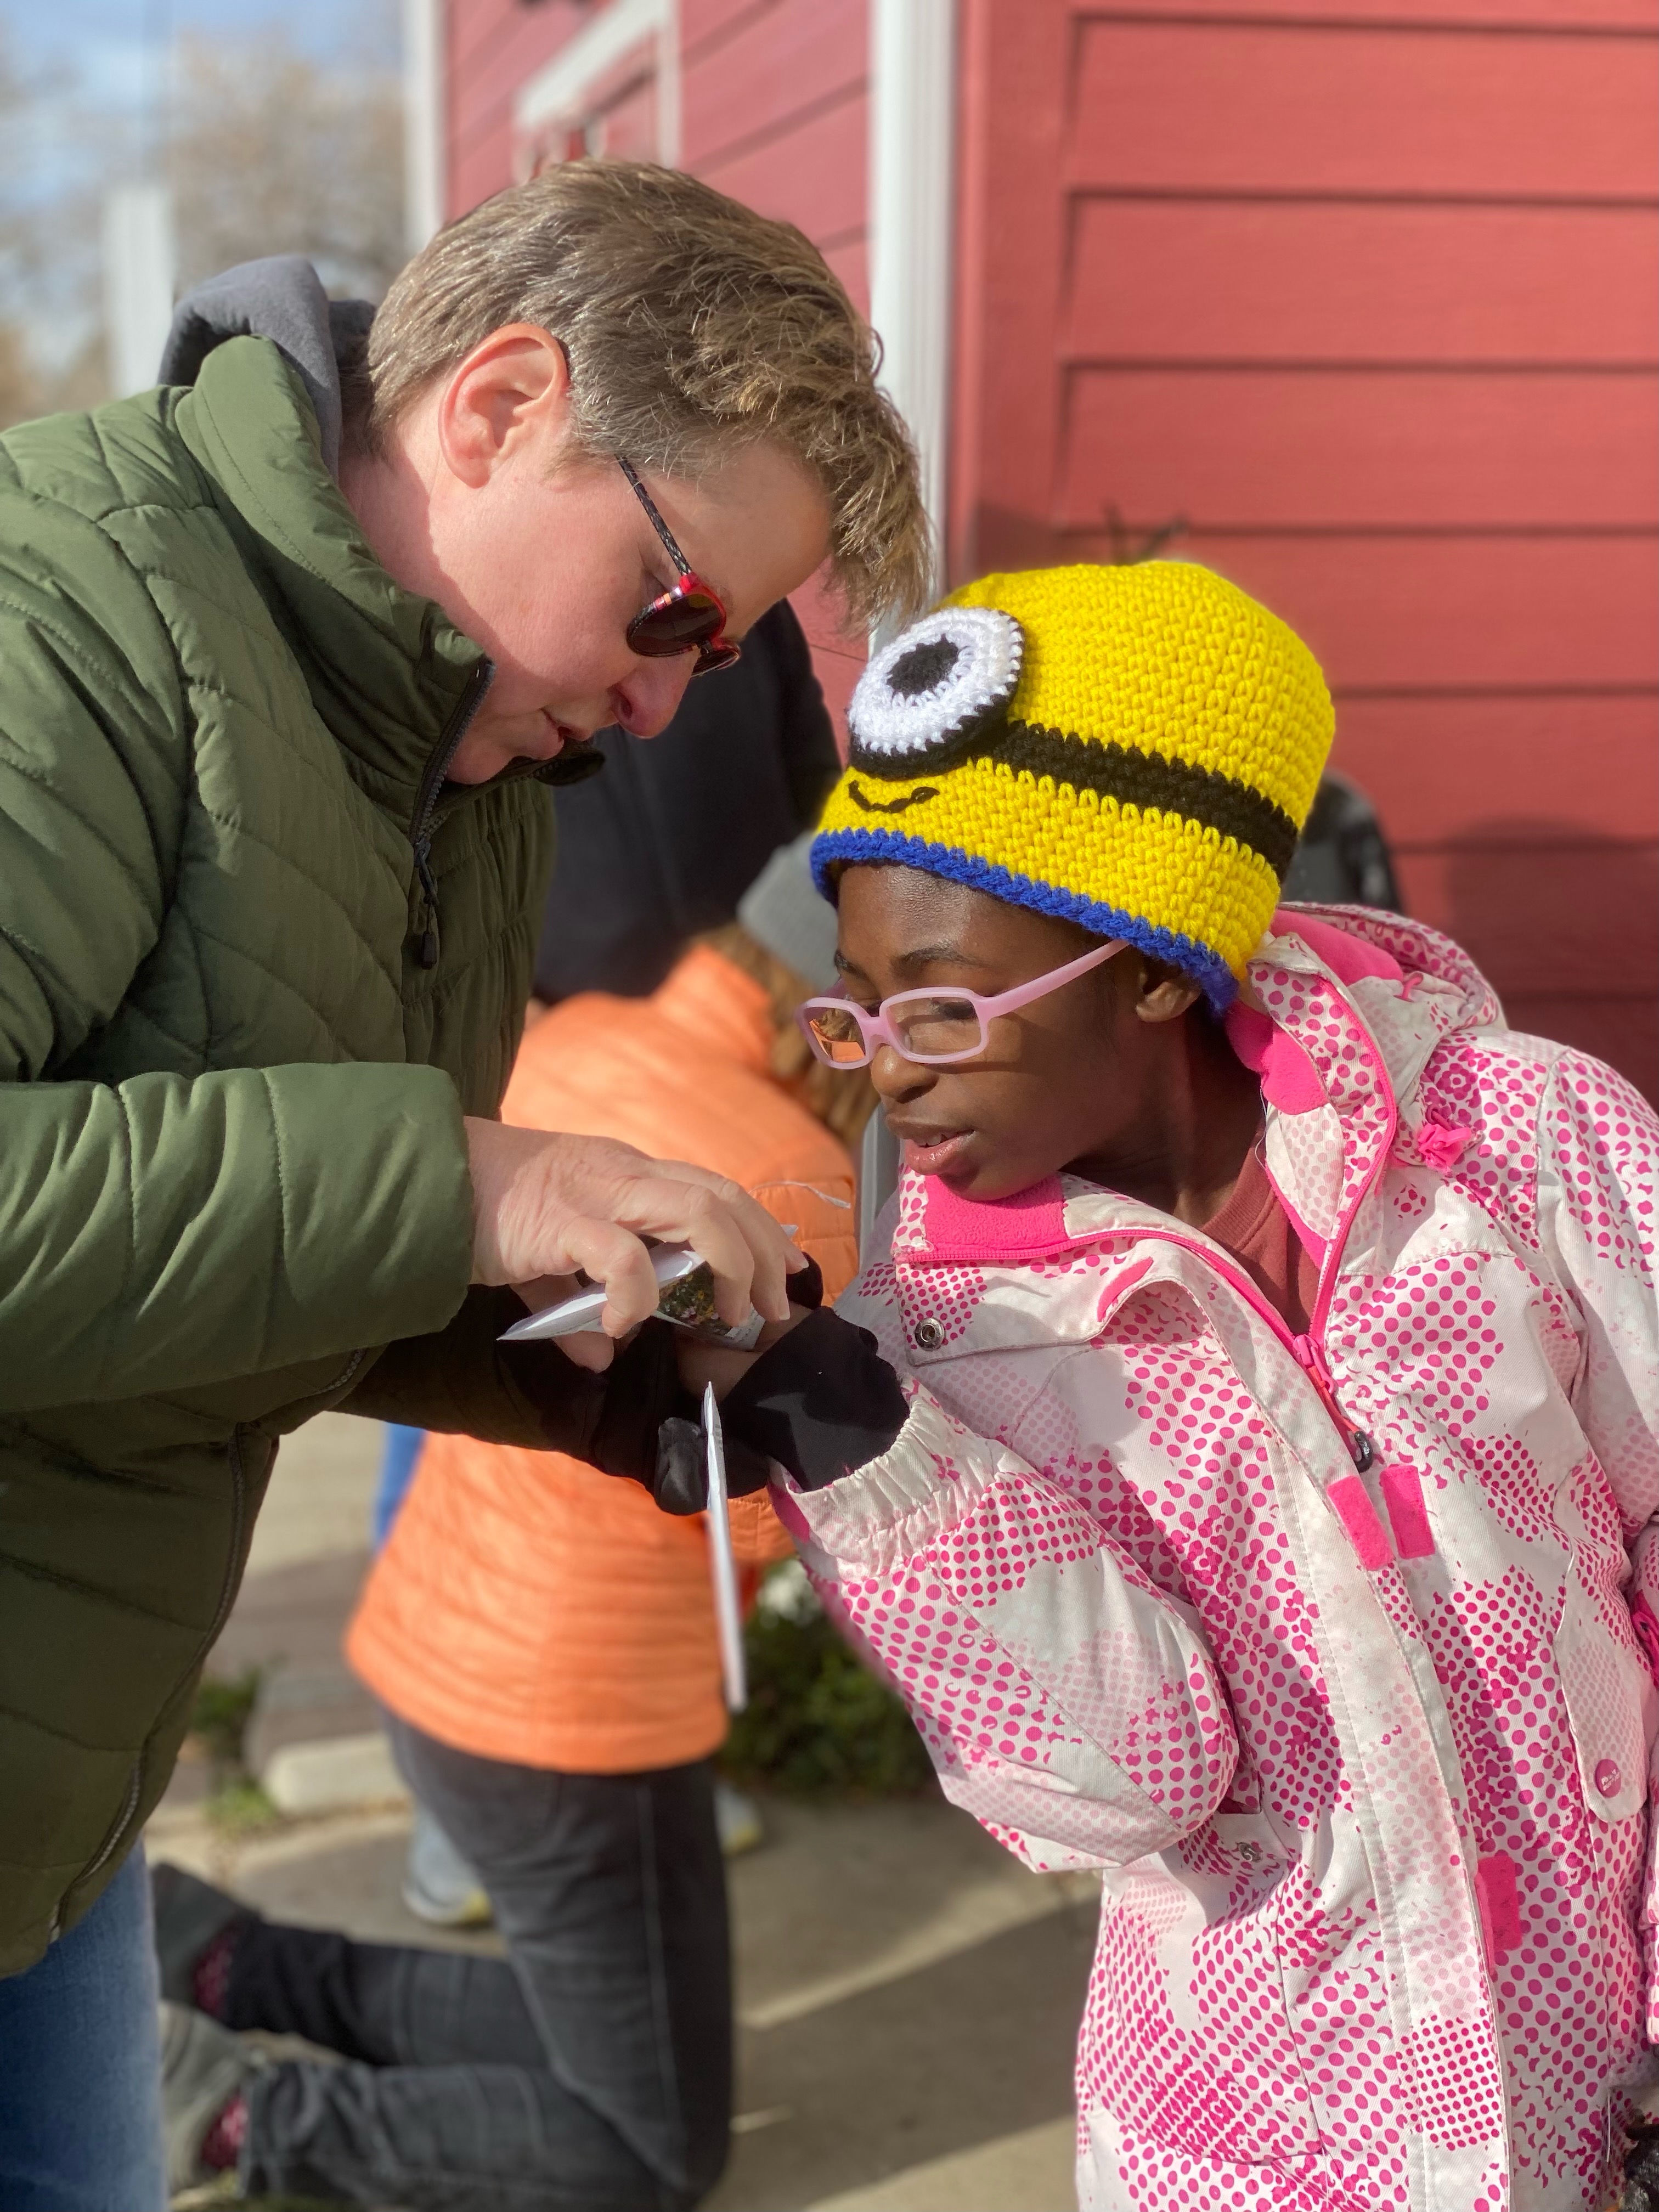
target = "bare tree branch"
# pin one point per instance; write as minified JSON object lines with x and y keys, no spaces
{"x":272,"y":153}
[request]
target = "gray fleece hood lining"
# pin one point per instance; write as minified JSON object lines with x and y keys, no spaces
{"x":280,"y":297}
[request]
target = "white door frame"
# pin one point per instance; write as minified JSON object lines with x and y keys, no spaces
{"x":425,"y":178}
{"x":912,"y":186}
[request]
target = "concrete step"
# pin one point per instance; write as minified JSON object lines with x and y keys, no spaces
{"x":306,"y":1704}
{"x":337,"y":1774}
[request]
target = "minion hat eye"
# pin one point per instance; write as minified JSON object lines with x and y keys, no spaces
{"x":929,"y":695}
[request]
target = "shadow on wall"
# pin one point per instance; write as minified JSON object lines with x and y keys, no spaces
{"x":1566,"y":926}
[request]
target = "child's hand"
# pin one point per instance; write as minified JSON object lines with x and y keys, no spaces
{"x":702,"y":1363}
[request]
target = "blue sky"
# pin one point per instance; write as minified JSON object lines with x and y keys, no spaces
{"x":109,"y":58}
{"x":104,"y":43}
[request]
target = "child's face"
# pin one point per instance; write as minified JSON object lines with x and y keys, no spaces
{"x":1064,"y":1082}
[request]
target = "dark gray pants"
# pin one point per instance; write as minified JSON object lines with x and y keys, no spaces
{"x":590,"y":2073}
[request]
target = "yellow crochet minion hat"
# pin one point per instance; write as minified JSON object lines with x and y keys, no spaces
{"x":1135,"y":749}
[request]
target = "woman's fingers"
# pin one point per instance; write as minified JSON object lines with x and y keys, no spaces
{"x":616,"y":1261}
{"x":548,"y":1291}
{"x":589,"y":1349}
{"x":679,"y":1212}
{"x":710,"y":1208}
{"x":545,"y":1204}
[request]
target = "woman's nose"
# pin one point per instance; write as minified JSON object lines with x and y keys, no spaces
{"x":648,"y":697}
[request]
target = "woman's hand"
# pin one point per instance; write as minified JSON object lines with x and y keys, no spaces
{"x":546,"y":1204}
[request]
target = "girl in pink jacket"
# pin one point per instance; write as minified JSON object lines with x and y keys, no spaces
{"x":1241,"y":1449}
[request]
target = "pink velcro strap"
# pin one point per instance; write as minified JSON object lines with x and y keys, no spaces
{"x":1348,"y":956}
{"x":983,"y":1231}
{"x":1289,"y":1078}
{"x":1500,"y":1906}
{"x":1402,"y":1494}
{"x":1357,"y":1515}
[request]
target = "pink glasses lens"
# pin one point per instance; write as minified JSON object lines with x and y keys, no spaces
{"x":928,"y":1027}
{"x":834,"y":1031}
{"x":936,"y":1025}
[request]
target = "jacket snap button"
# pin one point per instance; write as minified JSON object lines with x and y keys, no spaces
{"x":930,"y":1334}
{"x":1607,"y":1776}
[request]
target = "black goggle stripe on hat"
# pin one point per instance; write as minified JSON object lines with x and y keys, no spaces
{"x":1134,"y":778}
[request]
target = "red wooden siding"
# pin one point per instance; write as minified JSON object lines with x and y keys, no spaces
{"x":773,"y":100}
{"x":491,"y":47}
{"x":1369,"y":295}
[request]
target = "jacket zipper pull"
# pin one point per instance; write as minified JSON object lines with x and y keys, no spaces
{"x":428,"y":952}
{"x":1362,"y":1449}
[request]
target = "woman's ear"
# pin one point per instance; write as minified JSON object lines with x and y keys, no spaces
{"x":512,"y":389}
{"x":1164,"y":992}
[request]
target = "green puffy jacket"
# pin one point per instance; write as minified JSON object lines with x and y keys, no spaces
{"x":256,"y":960}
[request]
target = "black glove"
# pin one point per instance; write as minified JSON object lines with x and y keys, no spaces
{"x":639,"y":1420}
{"x":1641,"y":2189}
{"x":821,"y":1402}
{"x":680,"y":1481}
{"x":680,"y":1484}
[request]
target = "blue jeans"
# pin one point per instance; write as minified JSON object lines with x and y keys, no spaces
{"x":81,"y":2065}
{"x":398,"y":1460}
{"x":589,"y":2071}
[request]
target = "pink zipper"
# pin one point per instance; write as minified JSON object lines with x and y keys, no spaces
{"x":1308,"y":1351}
{"x":1303,"y":1350}
{"x":1340,"y":1235}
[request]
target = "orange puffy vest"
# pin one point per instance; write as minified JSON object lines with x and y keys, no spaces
{"x":526,"y":1608}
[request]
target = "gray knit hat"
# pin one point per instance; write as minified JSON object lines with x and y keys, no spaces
{"x":783,"y":910}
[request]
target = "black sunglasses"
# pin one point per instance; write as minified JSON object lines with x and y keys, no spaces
{"x":688,"y":617}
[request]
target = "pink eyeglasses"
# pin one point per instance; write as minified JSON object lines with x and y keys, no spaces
{"x":932,"y":1028}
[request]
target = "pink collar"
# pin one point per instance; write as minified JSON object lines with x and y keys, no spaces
{"x":972,"y":1232}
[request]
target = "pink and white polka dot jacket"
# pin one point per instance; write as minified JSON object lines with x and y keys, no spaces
{"x":1330,"y":1652}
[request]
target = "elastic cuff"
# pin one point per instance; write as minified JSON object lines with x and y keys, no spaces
{"x":821,"y":1402}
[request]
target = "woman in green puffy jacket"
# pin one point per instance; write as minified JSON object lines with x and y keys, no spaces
{"x":287,"y":648}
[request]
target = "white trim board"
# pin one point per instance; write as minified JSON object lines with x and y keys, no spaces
{"x":912,"y":145}
{"x":423,"y":120}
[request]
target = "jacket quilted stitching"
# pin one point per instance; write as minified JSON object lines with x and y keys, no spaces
{"x":1320,"y":1650}
{"x":231,"y":1154}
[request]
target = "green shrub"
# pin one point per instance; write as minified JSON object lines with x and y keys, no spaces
{"x":818,"y":1724}
{"x":218,"y":1723}
{"x":223,"y":1708}
{"x":240,"y":1807}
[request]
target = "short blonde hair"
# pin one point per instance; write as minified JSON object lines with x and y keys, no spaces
{"x":691,"y":323}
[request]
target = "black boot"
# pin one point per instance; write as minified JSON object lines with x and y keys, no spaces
{"x":188,"y":1914}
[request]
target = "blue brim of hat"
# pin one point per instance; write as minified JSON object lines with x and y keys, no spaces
{"x":846,"y":847}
